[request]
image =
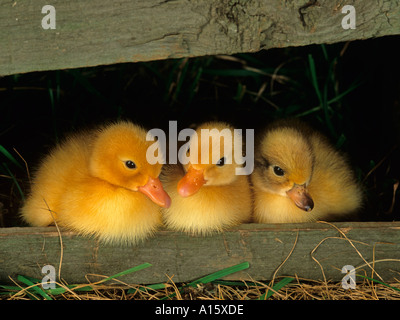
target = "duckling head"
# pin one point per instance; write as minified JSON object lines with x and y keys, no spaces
{"x":285,"y":163}
{"x":119,"y":157}
{"x":211,"y":158}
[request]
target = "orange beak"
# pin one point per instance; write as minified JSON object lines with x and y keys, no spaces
{"x":154,"y":190}
{"x":191,"y":182}
{"x":301,"y":198}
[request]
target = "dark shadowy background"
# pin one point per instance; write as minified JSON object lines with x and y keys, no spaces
{"x":350,"y":91}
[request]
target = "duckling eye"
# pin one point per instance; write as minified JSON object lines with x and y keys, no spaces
{"x":221,"y":162}
{"x":278,"y":171}
{"x":130,"y":164}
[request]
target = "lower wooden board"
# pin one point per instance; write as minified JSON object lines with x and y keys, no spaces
{"x":315,"y":251}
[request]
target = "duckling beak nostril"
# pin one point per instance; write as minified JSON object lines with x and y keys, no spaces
{"x":191,"y":182}
{"x":308,"y":208}
{"x":301,"y":198}
{"x":154,"y":190}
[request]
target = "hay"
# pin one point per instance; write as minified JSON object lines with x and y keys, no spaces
{"x":299,"y":289}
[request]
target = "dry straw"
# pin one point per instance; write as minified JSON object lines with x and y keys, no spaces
{"x":301,"y":289}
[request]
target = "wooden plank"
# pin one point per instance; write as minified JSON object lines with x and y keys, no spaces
{"x":26,"y":250}
{"x":90,"y":33}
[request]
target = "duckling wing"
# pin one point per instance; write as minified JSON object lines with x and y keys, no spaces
{"x":54,"y":177}
{"x":333,"y":185}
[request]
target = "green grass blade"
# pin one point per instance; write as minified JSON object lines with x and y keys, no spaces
{"x":4,"y":165}
{"x":276,"y":287}
{"x":325,"y":52}
{"x":156,"y":286}
{"x":378,"y":281}
{"x":212,"y":277}
{"x":53,"y":110}
{"x":134,"y":269}
{"x":89,"y":288}
{"x":181,"y":80}
{"x":340,"y":141}
{"x":354,"y":86}
{"x":220,"y":274}
{"x":251,"y":60}
{"x":325,"y":104}
{"x":236,"y":283}
{"x":150,"y":66}
{"x":322,"y":97}
{"x":240,"y":92}
{"x":7,"y":290}
{"x":35,"y":287}
{"x":9,"y":156}
{"x":193,"y":86}
{"x":306,"y":113}
{"x":60,"y":290}
{"x":314,"y":79}
{"x":3,"y":286}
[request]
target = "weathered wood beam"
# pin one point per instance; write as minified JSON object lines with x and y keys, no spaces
{"x":319,"y":245}
{"x":90,"y":33}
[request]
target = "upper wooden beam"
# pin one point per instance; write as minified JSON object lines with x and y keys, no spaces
{"x":309,"y":250}
{"x":90,"y":33}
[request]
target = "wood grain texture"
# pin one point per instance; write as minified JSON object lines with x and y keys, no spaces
{"x":26,"y":250}
{"x":90,"y":33}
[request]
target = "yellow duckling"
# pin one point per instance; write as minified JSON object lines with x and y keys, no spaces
{"x":207,"y":194}
{"x":300,"y":177}
{"x":99,"y":183}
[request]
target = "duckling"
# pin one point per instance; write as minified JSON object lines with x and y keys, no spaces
{"x":300,"y":177}
{"x":99,"y":183}
{"x":207,"y":194}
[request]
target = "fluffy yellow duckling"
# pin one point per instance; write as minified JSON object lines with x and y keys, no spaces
{"x":207,"y":194}
{"x":99,"y":183}
{"x":300,"y":177}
